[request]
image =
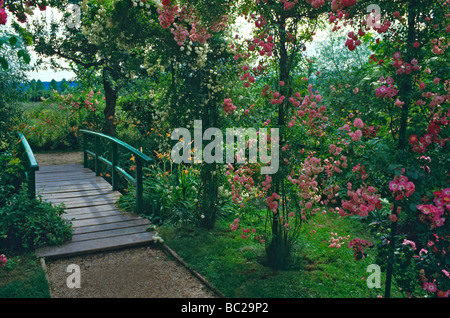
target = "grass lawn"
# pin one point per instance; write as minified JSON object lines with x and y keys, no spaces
{"x":236,"y":266}
{"x":23,"y":277}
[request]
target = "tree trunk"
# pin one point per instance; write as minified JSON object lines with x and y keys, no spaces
{"x":278,"y":249}
{"x":405,"y":89}
{"x":111,"y":92}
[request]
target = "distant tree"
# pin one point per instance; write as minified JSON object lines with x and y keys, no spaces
{"x":115,"y":41}
{"x":40,"y":86}
{"x":63,"y":85}
{"x":54,"y":85}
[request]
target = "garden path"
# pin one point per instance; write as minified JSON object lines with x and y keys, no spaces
{"x":150,"y":271}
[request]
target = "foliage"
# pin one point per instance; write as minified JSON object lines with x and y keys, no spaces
{"x":237,"y":268}
{"x":23,"y":277}
{"x":54,"y":123}
{"x":363,"y":123}
{"x":29,"y":223}
{"x":10,"y":175}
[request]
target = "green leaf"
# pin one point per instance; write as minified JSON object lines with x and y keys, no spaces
{"x":4,"y":63}
{"x":12,"y":41}
{"x":24,"y":54}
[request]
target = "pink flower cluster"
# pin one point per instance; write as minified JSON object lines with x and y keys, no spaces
{"x":272,"y":202}
{"x":265,"y":44}
{"x":401,"y":66}
{"x":358,"y":245}
{"x":3,"y":260}
{"x":228,"y":106}
{"x":357,"y":134}
{"x":420,"y":145}
{"x":434,"y":213}
{"x":180,"y":33}
{"x":199,"y":33}
{"x":388,"y":91}
{"x":430,"y":286}
{"x":337,"y":5}
{"x":353,"y":41}
{"x":235,"y":225}
{"x":337,"y":241}
{"x":239,"y":179}
{"x":167,"y":14}
{"x":309,"y":111}
{"x":3,"y":14}
{"x":247,"y":78}
{"x":401,"y":187}
{"x":289,"y":5}
{"x":361,"y":202}
{"x":245,"y":232}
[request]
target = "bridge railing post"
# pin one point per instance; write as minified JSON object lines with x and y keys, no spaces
{"x":97,"y":151}
{"x":114,"y":175}
{"x":31,"y":166}
{"x":139,"y":186}
{"x":85,"y":147}
{"x":117,"y":171}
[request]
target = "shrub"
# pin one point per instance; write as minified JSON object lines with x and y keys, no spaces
{"x":29,"y":223}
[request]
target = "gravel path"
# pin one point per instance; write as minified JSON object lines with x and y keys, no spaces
{"x":141,"y":272}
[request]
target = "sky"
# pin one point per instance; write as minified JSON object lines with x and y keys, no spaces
{"x":47,"y":75}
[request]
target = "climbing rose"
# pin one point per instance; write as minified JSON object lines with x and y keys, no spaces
{"x":3,"y":260}
{"x":3,"y":15}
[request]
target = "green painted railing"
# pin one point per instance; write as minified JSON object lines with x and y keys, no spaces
{"x":116,"y":171}
{"x":30,"y":165}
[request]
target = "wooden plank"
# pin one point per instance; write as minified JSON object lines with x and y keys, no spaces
{"x":110,"y":226}
{"x":91,"y":181}
{"x":75,"y":166}
{"x":73,"y":187}
{"x":102,"y":220}
{"x":64,"y":171}
{"x":91,"y":209}
{"x":102,"y":244}
{"x":81,"y":216}
{"x":110,"y":233}
{"x":68,"y":177}
{"x":76,"y":194}
{"x":84,"y":202}
{"x":110,"y":198}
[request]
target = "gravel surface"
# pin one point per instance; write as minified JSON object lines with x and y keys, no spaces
{"x":59,"y":158}
{"x":141,"y":272}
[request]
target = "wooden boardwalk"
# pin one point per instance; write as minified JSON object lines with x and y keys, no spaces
{"x":97,"y":223}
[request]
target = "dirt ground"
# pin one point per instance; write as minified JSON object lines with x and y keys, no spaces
{"x":140,"y":272}
{"x":59,"y":158}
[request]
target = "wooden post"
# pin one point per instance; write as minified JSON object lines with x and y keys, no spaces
{"x":85,"y":146}
{"x":115,"y":177}
{"x":31,"y":183}
{"x":139,"y":188}
{"x":96,"y":151}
